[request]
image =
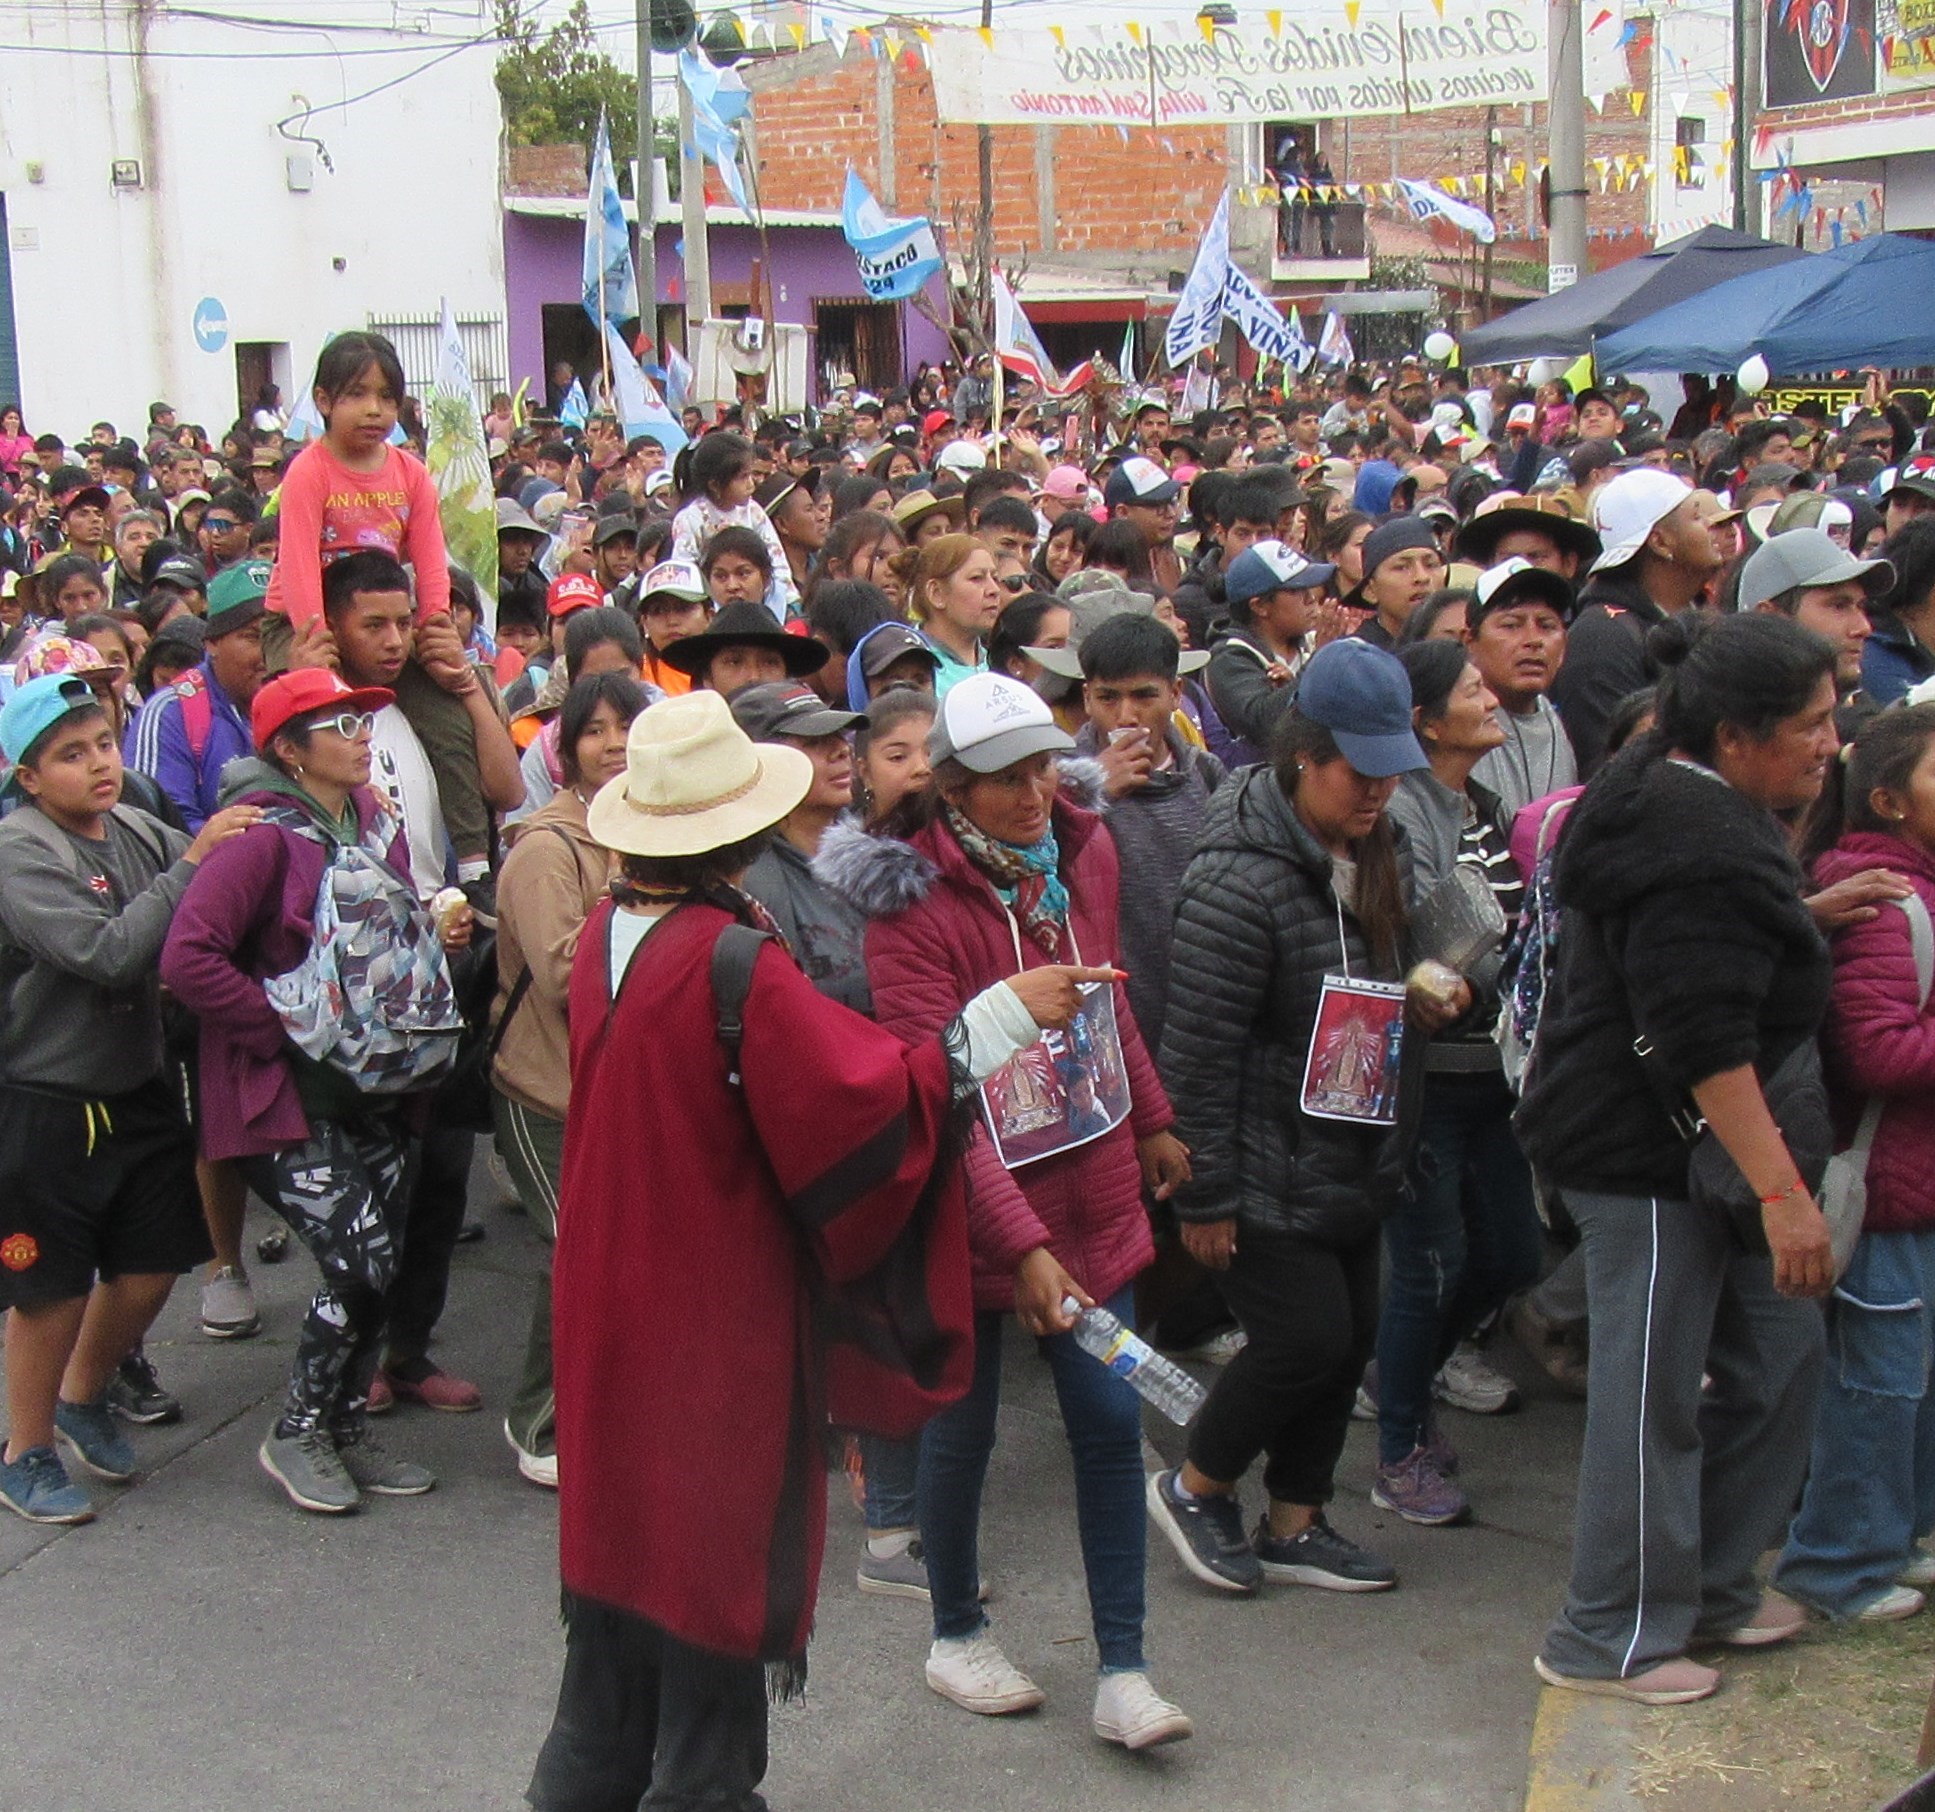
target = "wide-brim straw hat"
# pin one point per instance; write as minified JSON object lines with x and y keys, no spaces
{"x":695,"y":782}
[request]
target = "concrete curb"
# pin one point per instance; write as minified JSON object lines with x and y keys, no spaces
{"x":1582,"y":1754}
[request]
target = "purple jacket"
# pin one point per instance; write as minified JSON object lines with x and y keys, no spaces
{"x":249,"y":913}
{"x":1879,"y":1039}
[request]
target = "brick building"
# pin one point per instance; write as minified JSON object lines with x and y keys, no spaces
{"x":1107,"y":221}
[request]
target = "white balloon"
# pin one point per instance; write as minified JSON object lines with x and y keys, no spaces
{"x":1439,"y":345}
{"x":1753,"y":375}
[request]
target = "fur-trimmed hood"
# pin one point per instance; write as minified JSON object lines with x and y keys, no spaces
{"x":879,"y":875}
{"x":876,"y":875}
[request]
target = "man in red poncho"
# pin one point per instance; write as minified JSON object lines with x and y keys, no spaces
{"x":708,"y":1200}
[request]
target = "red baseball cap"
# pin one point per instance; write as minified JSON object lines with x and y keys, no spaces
{"x":573,"y":591}
{"x":935,"y":420}
{"x":302,"y":690}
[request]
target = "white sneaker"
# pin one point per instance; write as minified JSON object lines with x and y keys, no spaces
{"x":978,"y":1677}
{"x":1897,"y":1602}
{"x":1129,"y":1711}
{"x":1920,"y":1570}
{"x":539,"y":1468}
{"x":1466,"y":1382}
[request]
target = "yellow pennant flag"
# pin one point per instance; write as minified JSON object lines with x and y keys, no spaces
{"x":797,"y":33}
{"x":1579,"y":373}
{"x":987,"y":35}
{"x":1351,"y":9}
{"x":1440,"y":6}
{"x":1638,"y":99}
{"x":1275,"y":20}
{"x":1208,"y":24}
{"x":925,"y":33}
{"x":1134,"y":31}
{"x":892,"y":41}
{"x":1055,"y":32}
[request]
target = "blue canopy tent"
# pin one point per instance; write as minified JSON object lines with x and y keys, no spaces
{"x":1566,"y":323}
{"x":1871,"y":302}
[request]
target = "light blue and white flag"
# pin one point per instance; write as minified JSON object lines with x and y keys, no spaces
{"x":1262,"y":323}
{"x":896,"y":256}
{"x":610,"y":277}
{"x":1335,"y":347}
{"x":1427,"y":203}
{"x":1198,"y":319}
{"x":635,"y":399}
{"x":575,"y":408}
{"x":719,"y":102}
{"x":679,"y":377}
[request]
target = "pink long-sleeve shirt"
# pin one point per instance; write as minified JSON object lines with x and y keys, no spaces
{"x":327,"y":511}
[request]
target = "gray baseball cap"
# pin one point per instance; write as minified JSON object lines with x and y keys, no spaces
{"x":1806,"y":557}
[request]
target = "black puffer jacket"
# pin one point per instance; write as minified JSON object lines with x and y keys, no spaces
{"x":1683,"y":918}
{"x":1257,"y":930}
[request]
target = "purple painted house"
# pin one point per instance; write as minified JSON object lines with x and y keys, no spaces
{"x":813,"y":278}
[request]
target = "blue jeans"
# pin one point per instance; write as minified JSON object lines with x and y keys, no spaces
{"x":1103,"y":1419}
{"x":890,"y":1472}
{"x":1871,"y":1483}
{"x":1463,"y":1238}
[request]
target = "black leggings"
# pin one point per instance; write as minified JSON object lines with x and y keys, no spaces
{"x":645,"y":1720}
{"x":1310,"y":1314}
{"x":344,"y":1195}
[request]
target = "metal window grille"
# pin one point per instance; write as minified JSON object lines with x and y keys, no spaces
{"x":418,"y":337}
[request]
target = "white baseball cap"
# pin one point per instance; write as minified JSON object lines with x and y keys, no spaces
{"x":962,"y":456}
{"x":676,"y":578}
{"x":988,"y":722}
{"x":1629,"y":508}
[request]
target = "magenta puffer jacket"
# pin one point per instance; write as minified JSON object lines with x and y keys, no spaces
{"x":1879,"y":1039}
{"x":939,"y":935}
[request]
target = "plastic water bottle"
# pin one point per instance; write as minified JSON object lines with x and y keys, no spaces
{"x":1171,"y":1389}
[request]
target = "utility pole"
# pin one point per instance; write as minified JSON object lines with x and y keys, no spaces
{"x":698,"y":250}
{"x":647,"y":221}
{"x":1566,"y":152}
{"x":1491,"y":159}
{"x":1747,"y":24}
{"x":984,"y":221}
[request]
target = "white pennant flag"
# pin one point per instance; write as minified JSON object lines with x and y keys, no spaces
{"x":1198,"y":319}
{"x":1335,"y":347}
{"x":1427,"y":203}
{"x":1262,"y":323}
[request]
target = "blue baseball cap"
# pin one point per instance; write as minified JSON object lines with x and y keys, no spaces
{"x":36,"y":708}
{"x":1362,"y":696}
{"x":1272,"y":566}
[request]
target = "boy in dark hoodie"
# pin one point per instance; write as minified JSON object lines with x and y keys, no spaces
{"x":1275,"y":595}
{"x":98,"y":1208}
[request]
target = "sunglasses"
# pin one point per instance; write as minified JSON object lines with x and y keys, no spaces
{"x":220,"y":525}
{"x":351,"y":726}
{"x":1014,"y":582}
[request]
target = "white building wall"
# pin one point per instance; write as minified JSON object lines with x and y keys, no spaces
{"x":1692,"y":70}
{"x":106,"y":280}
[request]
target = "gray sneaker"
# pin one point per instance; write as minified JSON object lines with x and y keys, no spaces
{"x":307,"y":1467}
{"x":902,"y":1575}
{"x":376,"y":1469}
{"x":228,"y":1306}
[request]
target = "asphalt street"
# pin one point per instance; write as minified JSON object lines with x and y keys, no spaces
{"x":203,"y":1647}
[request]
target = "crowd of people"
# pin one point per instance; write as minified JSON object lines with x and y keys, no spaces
{"x":1394,"y":869}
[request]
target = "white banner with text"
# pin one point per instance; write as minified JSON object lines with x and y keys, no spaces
{"x":1299,"y":62}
